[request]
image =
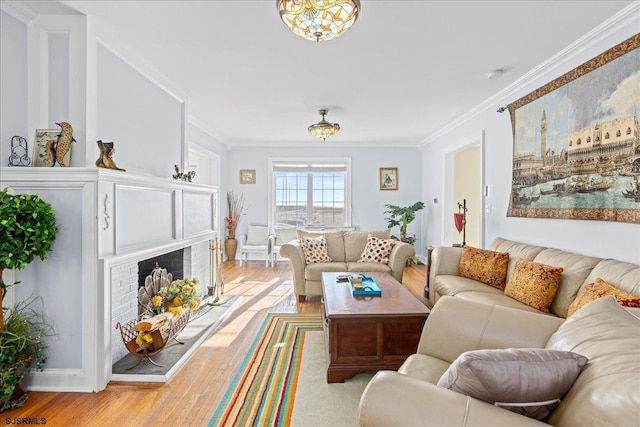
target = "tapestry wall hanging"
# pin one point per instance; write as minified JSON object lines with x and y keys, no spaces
{"x":576,"y":142}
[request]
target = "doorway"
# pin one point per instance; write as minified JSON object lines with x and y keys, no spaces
{"x":464,"y":180}
{"x":206,"y":164}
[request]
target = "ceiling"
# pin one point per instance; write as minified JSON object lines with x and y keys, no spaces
{"x":403,"y":71}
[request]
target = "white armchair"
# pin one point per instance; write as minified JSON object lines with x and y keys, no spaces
{"x":256,"y":241}
{"x":279,"y":237}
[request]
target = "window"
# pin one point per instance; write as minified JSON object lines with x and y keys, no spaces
{"x":628,"y":131}
{"x":606,"y":135}
{"x":310,"y":192}
{"x":618,"y":133}
{"x":588,"y":139}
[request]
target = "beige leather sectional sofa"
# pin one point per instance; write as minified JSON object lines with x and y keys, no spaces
{"x":606,"y":393}
{"x":470,"y":315}
{"x":344,"y":249}
{"x":579,"y":270}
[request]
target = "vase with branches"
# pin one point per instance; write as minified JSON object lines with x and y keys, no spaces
{"x":235,"y":210}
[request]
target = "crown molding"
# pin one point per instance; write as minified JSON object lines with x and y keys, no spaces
{"x":623,"y":18}
{"x":206,"y":129}
{"x":333,"y":143}
{"x":18,"y":10}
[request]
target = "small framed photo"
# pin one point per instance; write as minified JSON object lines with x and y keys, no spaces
{"x":388,"y":178}
{"x":247,"y":176}
{"x":43,"y":155}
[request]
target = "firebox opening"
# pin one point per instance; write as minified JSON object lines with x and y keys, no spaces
{"x":173,"y":262}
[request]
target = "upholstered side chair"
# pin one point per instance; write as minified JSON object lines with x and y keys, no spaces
{"x":256,"y":241}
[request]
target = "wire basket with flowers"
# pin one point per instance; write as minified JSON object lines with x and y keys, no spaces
{"x":179,"y":294}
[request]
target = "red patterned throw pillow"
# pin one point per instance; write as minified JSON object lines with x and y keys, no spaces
{"x":377,"y":250}
{"x":315,"y":249}
{"x":599,"y":289}
{"x":534,"y":284}
{"x":485,"y":266}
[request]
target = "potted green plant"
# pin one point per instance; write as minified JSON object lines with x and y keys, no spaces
{"x":21,"y":345}
{"x":27,"y":229}
{"x":403,"y":216}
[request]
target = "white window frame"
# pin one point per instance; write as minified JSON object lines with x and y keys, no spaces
{"x":272,"y":182}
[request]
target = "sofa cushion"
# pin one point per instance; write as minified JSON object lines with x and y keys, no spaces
{"x":335,"y":242}
{"x":606,"y":392}
{"x":535,"y":377}
{"x":622,"y":275}
{"x":368,"y":267}
{"x":497,"y":299}
{"x":285,"y":235}
{"x":313,"y":272}
{"x":576,"y":268}
{"x":599,"y":289}
{"x":534,"y":284}
{"x":453,"y":285}
{"x":376,"y":250}
{"x":424,"y":367}
{"x":355,"y":241}
{"x":315,"y":249}
{"x":516,"y":251}
{"x":489,"y":267}
{"x":257,"y":235}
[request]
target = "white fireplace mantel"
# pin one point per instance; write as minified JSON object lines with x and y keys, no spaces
{"x":106,"y":218}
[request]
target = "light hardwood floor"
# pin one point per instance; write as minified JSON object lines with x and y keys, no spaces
{"x":192,"y":395}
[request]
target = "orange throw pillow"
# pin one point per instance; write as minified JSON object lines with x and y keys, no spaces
{"x":599,"y":289}
{"x":485,"y":266}
{"x":534,"y":284}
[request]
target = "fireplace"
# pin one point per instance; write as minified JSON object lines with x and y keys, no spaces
{"x":173,"y":262}
{"x":126,"y":279}
{"x":112,"y":220}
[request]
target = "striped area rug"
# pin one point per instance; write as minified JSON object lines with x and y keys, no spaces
{"x":263,"y":390}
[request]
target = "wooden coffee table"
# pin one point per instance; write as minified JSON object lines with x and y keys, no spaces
{"x":368,"y":334}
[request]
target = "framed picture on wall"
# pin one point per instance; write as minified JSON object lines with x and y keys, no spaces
{"x":388,"y":178}
{"x":247,"y":176}
{"x":43,"y":155}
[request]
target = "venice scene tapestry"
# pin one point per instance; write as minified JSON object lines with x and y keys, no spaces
{"x":576,"y":142}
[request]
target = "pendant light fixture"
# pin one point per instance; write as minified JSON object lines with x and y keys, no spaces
{"x":318,"y":20}
{"x":323,"y":129}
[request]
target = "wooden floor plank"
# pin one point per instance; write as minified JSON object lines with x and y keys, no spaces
{"x":192,"y":395}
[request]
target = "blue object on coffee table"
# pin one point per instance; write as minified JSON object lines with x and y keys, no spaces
{"x":369,"y":287}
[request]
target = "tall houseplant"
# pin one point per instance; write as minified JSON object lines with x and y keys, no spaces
{"x":27,"y":229}
{"x":401,"y":217}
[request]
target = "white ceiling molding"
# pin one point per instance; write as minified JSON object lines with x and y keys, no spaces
{"x":197,"y":123}
{"x":18,"y":10}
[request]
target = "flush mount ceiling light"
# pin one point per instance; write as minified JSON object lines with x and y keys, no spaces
{"x":318,"y":20}
{"x":323,"y":129}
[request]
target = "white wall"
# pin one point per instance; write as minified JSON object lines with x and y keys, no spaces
{"x":367,"y":204}
{"x":597,"y":238}
{"x":13,"y":85}
{"x":144,"y":121}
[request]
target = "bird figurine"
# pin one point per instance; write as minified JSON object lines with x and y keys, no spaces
{"x":57,"y":151}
